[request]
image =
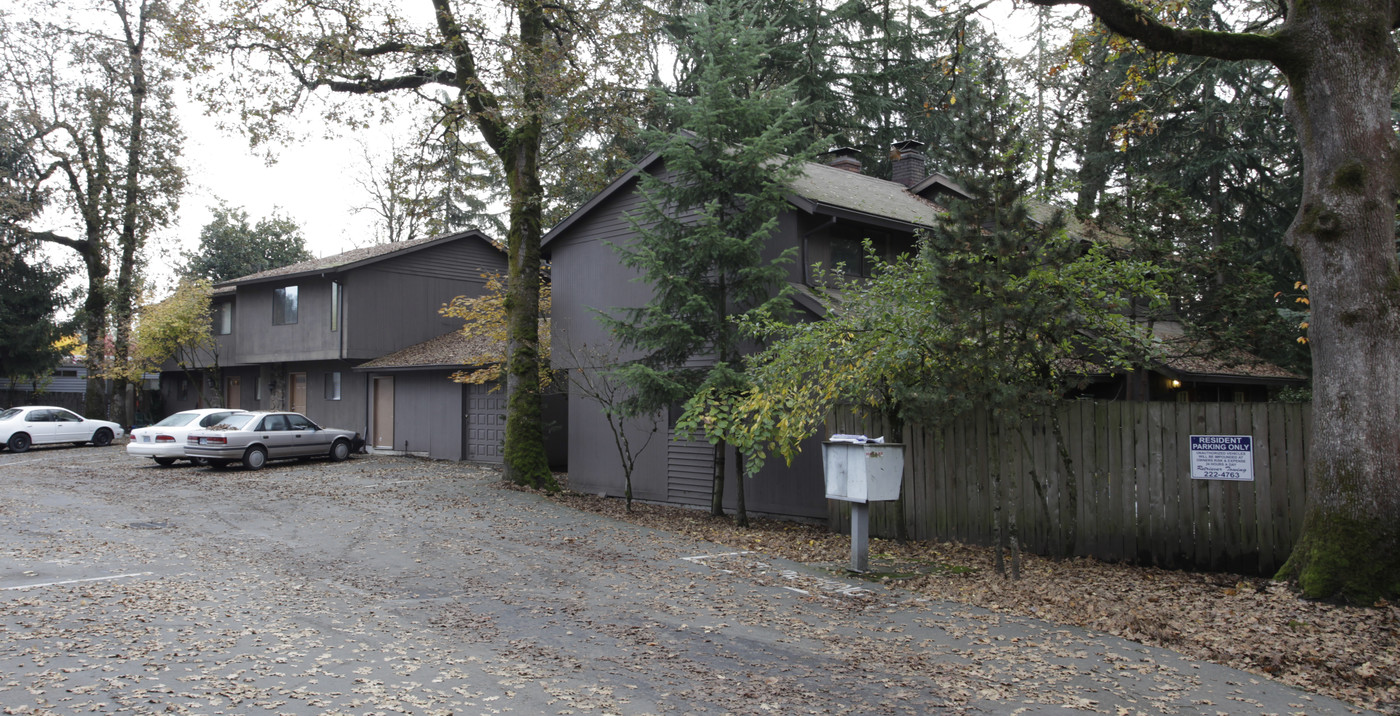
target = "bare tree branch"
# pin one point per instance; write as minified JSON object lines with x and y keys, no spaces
{"x":1131,"y":20}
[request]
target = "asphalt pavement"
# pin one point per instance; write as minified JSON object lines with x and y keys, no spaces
{"x":387,"y":585}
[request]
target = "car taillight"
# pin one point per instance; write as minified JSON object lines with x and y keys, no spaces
{"x":165,"y":439}
{"x":216,"y":441}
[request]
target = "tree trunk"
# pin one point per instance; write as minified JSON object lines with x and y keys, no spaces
{"x":94,"y":327}
{"x":1342,"y":72}
{"x":525,"y":459}
{"x":124,"y":298}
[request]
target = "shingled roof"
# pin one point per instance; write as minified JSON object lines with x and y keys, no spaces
{"x":1195,"y":358}
{"x":817,"y":188}
{"x":450,"y":350}
{"x":353,"y":258}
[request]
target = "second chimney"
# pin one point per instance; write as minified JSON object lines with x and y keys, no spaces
{"x":847,"y":158}
{"x":907,"y":162}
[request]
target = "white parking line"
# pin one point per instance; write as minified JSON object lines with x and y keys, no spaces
{"x":702,"y":557}
{"x":76,"y":581}
{"x":7,"y":463}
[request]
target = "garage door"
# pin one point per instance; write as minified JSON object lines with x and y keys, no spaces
{"x":485,"y":424}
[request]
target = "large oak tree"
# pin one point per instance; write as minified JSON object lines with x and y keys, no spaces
{"x":90,"y":94}
{"x":528,"y":78}
{"x":1341,"y":64}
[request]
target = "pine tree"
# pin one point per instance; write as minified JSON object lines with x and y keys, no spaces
{"x":30,"y":295}
{"x":707,"y":216}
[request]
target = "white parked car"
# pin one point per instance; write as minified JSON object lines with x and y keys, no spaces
{"x":46,"y":424}
{"x":164,"y":441}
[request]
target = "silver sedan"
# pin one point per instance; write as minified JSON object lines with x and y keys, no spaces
{"x":253,"y":438}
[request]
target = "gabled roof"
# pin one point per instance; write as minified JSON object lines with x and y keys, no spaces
{"x":355,"y":258}
{"x":818,"y":188}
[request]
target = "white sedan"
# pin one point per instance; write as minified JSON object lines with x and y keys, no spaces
{"x":164,"y":442}
{"x":41,"y":424}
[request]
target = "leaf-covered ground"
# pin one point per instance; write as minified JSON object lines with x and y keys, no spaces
{"x":1347,"y":652}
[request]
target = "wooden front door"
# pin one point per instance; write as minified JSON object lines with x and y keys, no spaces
{"x":233,"y":393}
{"x":383,"y":429}
{"x":298,"y":386}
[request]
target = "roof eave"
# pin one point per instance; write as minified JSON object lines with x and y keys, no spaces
{"x":883,"y":222}
{"x":602,"y":196}
{"x":342,"y":268}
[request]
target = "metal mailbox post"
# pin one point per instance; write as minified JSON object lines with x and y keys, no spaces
{"x":860,"y":473}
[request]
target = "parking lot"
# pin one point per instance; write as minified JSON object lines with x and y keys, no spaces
{"x":396,"y":585}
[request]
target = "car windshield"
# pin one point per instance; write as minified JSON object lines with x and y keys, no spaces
{"x":12,"y":412}
{"x":176,"y":420}
{"x":234,"y":422}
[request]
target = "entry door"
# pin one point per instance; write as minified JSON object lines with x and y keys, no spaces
{"x":298,"y":382}
{"x":383,"y":429}
{"x":233,"y":395}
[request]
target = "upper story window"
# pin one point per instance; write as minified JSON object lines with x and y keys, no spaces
{"x":848,"y":249}
{"x":335,"y":305}
{"x":284,"y":305}
{"x":849,"y":255}
{"x":223,"y":318}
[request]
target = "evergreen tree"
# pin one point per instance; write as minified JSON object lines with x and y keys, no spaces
{"x":229,"y":247}
{"x":707,"y":216}
{"x":30,"y":295}
{"x":1188,"y":156}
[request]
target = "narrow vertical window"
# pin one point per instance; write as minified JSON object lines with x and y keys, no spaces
{"x":223,"y":318}
{"x":335,"y":305}
{"x":284,"y":305}
{"x":333,"y":385}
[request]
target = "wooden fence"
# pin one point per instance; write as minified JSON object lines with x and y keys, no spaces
{"x":1131,"y":496}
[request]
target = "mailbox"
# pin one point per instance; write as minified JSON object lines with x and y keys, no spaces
{"x":863,"y":472}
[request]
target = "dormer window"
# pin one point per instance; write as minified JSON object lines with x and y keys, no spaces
{"x":284,"y":306}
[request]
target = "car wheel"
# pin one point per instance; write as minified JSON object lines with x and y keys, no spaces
{"x":19,"y":442}
{"x":255,"y":458}
{"x":340,"y":450}
{"x":102,"y":438}
{"x":220,"y":464}
{"x":201,"y":461}
{"x":164,"y":461}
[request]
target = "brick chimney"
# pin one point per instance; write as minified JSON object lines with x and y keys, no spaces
{"x":847,"y":158}
{"x":907,"y":162}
